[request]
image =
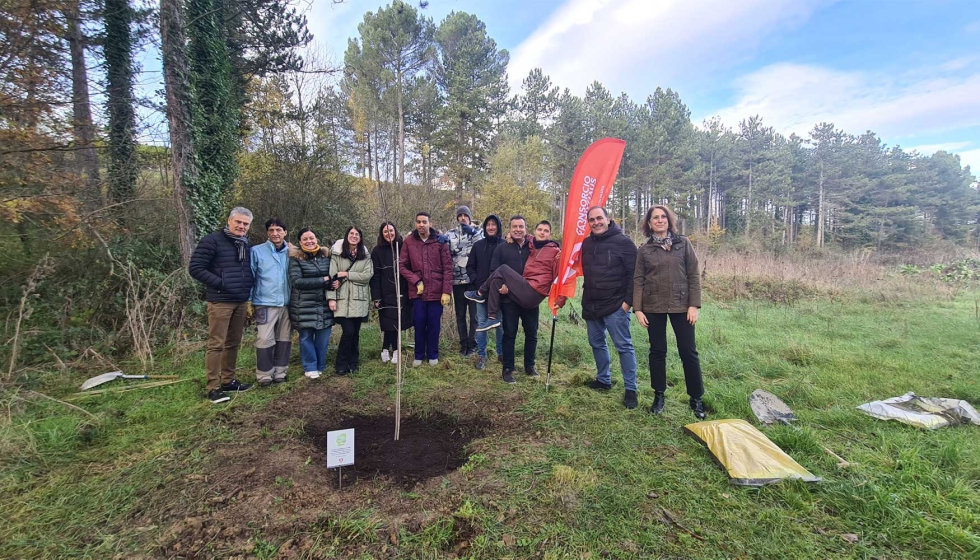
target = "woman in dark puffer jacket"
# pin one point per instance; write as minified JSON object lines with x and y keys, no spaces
{"x":309,"y":276}
{"x":383,"y":291}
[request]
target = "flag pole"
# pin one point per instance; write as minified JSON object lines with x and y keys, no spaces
{"x":551,"y":348}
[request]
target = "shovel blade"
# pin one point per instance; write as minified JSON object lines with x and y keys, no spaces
{"x":100,"y":379}
{"x":769,"y":409}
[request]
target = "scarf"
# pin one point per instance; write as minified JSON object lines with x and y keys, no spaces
{"x":311,"y":253}
{"x":540,"y":244}
{"x":665,"y":242}
{"x":241,"y":243}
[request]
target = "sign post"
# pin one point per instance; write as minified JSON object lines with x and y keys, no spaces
{"x":340,"y":451}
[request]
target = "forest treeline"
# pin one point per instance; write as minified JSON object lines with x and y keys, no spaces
{"x":414,"y":114}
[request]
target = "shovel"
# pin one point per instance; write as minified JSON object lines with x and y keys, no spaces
{"x":107,"y":377}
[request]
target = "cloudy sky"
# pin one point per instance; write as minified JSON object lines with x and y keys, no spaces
{"x":906,"y":69}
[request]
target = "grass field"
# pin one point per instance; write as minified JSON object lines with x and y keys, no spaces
{"x":569,"y":474}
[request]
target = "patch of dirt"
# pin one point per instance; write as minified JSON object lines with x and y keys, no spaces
{"x":426,"y":447}
{"x":269,"y":486}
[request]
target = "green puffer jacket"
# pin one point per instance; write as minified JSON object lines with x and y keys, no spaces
{"x":354,"y":295}
{"x":307,"y":290}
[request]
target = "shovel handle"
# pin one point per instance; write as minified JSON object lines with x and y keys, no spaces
{"x":161,"y":377}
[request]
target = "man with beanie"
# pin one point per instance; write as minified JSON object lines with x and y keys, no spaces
{"x":222,"y":262}
{"x":608,"y":260}
{"x":461,"y":240}
{"x":478,"y":270}
{"x":270,"y":296}
{"x":427,"y":267}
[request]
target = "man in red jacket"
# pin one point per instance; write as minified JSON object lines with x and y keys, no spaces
{"x":427,"y":266}
{"x":527,"y":289}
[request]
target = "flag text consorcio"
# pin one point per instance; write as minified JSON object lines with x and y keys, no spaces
{"x":584,"y":204}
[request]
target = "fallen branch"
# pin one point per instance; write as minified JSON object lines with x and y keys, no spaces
{"x":669,"y":518}
{"x":69,"y":405}
{"x":130,"y":388}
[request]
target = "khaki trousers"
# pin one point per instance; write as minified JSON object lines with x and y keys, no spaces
{"x":273,"y":343}
{"x":226,"y":321}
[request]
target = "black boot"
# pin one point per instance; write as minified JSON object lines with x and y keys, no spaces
{"x":698,"y":407}
{"x":658,"y":403}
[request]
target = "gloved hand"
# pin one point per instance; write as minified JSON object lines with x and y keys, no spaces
{"x":442,"y":238}
{"x":468,"y":229}
{"x":420,"y":287}
{"x":445,"y":299}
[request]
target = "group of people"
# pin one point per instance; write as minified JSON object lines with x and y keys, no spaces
{"x":497,"y":279}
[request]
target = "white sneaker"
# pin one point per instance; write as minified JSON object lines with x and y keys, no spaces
{"x":434,"y":362}
{"x":416,"y":363}
{"x":385,"y":356}
{"x":312,"y":374}
{"x":394,"y":357}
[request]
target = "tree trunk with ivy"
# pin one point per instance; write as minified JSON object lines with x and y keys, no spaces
{"x":176,"y":75}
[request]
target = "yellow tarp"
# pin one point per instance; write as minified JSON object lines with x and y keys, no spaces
{"x":750,"y":458}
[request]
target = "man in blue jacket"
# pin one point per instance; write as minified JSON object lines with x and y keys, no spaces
{"x":270,"y":296}
{"x":222,"y":262}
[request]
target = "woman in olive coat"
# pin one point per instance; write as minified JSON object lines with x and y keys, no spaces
{"x":309,"y":275}
{"x":351,"y":300}
{"x":386,"y":301}
{"x":667,"y":285}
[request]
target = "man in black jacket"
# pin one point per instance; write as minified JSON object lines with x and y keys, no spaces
{"x":478,"y":270}
{"x":515,"y":255}
{"x":222,"y":262}
{"x":608,"y":260}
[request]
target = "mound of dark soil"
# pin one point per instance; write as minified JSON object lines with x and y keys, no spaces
{"x":427,"y":447}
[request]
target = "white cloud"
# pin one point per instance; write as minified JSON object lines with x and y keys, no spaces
{"x":793,"y":98}
{"x":629,"y":43}
{"x":929,"y":149}
{"x":971,"y":158}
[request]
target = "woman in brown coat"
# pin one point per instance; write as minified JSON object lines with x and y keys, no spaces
{"x":666,"y":284}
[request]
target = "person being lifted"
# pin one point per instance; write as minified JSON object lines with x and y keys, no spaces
{"x":426,"y":265}
{"x":525,"y":290}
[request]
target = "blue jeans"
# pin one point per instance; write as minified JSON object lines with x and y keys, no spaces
{"x":313,"y":348}
{"x":481,"y":337}
{"x":618,"y":325}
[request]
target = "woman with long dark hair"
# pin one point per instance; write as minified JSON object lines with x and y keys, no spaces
{"x":385,"y":262}
{"x":309,"y":275}
{"x":351,"y":301}
{"x":667,"y":285}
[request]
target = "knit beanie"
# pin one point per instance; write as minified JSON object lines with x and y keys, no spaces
{"x":464,"y":210}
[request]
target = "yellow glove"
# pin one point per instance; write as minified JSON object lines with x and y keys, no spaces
{"x":420,"y":286}
{"x":445,"y":299}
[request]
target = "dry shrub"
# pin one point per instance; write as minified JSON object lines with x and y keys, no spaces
{"x":789,"y":278}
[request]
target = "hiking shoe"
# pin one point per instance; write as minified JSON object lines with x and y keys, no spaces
{"x":599,"y":385}
{"x":342,"y":372}
{"x":658,"y":403}
{"x":265,"y":382}
{"x":280,"y":379}
{"x":481,"y":363}
{"x":385,"y":356}
{"x":235,"y":386}
{"x":474,"y":295}
{"x":531,"y":372}
{"x":434,"y":362}
{"x":218,"y":396}
{"x":698,"y":407}
{"x":416,"y":363}
{"x":508,"y":376}
{"x":629,"y":399}
{"x":490,"y":323}
{"x":470,"y":353}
